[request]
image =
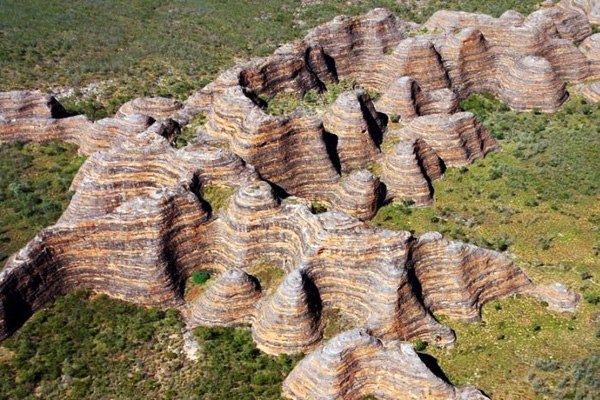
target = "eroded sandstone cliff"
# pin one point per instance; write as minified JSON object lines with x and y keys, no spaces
{"x":139,"y":225}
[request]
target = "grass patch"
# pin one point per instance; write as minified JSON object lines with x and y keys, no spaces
{"x":268,"y":274}
{"x":334,"y":323}
{"x":188,"y":132}
{"x":537,"y":199}
{"x":90,"y":347}
{"x":236,"y":369}
{"x":93,"y":347}
{"x":216,"y":196}
{"x":313,"y":101}
{"x":502,"y":353}
{"x":200,"y":277}
{"x":34,"y":189}
{"x":579,"y":380}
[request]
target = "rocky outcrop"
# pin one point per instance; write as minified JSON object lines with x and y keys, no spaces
{"x":557,"y":296}
{"x":591,"y":49}
{"x":457,"y":139}
{"x":457,"y":278}
{"x":26,"y":104}
{"x":354,"y":364}
{"x":356,"y":127}
{"x":591,"y":92}
{"x":590,"y":8}
{"x":280,"y":148}
{"x":33,"y":117}
{"x":158,"y":108}
{"x":360,"y":195}
{"x":229,"y":301}
{"x":289,"y":321}
{"x":531,"y":83}
{"x":138,"y":226}
{"x":417,"y":57}
{"x":130,"y":231}
{"x":357,"y":45}
{"x":427,"y":145}
{"x":485,"y":56}
{"x":408,"y":172}
{"x":143,"y":245}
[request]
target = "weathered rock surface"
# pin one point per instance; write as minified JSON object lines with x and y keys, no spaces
{"x":558,"y":297}
{"x":410,"y":169}
{"x":354,"y":364}
{"x":591,"y":91}
{"x":357,"y":128}
{"x":591,"y":49}
{"x":155,"y":107}
{"x":137,"y":226}
{"x":34,"y":117}
{"x":26,"y":104}
{"x":229,"y":301}
{"x":289,"y":320}
{"x":457,"y":278}
{"x":591,"y":8}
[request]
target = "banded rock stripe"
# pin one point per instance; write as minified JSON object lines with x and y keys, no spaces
{"x":355,"y":364}
{"x":138,"y":226}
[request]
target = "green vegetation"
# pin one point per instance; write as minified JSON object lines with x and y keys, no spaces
{"x":236,"y":369}
{"x":580,"y":380}
{"x":318,"y":207}
{"x":34,"y":189}
{"x":164,"y":48}
{"x":268,"y":274}
{"x":188,"y":132}
{"x":538,"y":199}
{"x":98,"y":348}
{"x":83,"y":347}
{"x":334,"y":322}
{"x":200,"y":277}
{"x":216,"y":196}
{"x":501,"y":353}
{"x":312,"y":101}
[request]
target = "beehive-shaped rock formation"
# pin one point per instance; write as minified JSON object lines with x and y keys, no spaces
{"x":460,"y":294}
{"x":531,"y":82}
{"x":138,"y":226}
{"x":155,"y":107}
{"x":289,"y":321}
{"x":357,"y":127}
{"x":360,"y":195}
{"x":354,"y":364}
{"x":27,"y":104}
{"x":409,"y":171}
{"x":229,"y":301}
{"x":591,"y":49}
{"x":417,"y":58}
{"x":458,"y":139}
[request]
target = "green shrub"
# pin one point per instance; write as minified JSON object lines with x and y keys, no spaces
{"x":34,"y":189}
{"x":200,"y":277}
{"x":420,"y":345}
{"x":592,"y":297}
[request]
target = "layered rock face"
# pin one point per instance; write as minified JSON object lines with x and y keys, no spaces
{"x":25,"y":104}
{"x":229,"y":301}
{"x":528,"y":73}
{"x":357,"y":128}
{"x":138,"y":226}
{"x":457,"y":278}
{"x":354,"y":364}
